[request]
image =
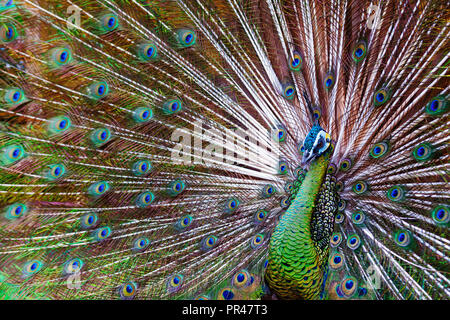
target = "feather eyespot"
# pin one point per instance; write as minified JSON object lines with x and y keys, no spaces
{"x":329,"y":81}
{"x":128,"y":290}
{"x":279,"y":134}
{"x":379,"y":150}
{"x":31,"y":267}
{"x":11,"y":154}
{"x":381,"y":96}
{"x":208,"y":242}
{"x":145,"y":199}
{"x":142,"y":114}
{"x":176,"y":187}
{"x":437,"y":106}
{"x":440,"y":215}
{"x":141,"y":244}
{"x":6,"y":4}
{"x":282,"y":167}
{"x":59,"y":125}
{"x":288,"y":91}
{"x":241,"y":279}
{"x":73,"y":266}
{"x":55,"y":171}
{"x":174,"y":283}
{"x":100,"y":136}
{"x":60,"y":57}
{"x":98,"y":90}
{"x":339,"y":186}
{"x":186,"y":38}
{"x":295,"y":62}
{"x":336,"y":261}
{"x":14,"y":96}
{"x":260,"y":216}
{"x":8,"y":32}
{"x":99,"y":188}
{"x":231,"y":205}
{"x":360,"y":187}
{"x":403,"y":238}
{"x":345,"y":165}
{"x":268,"y":190}
{"x":339,"y":218}
{"x":109,"y":22}
{"x":15,"y":211}
{"x":336,"y":239}
{"x":348,"y":286}
{"x":289,"y":187}
{"x":89,"y":220}
{"x":342,"y":204}
{"x":396,"y":193}
{"x":147,"y":52}
{"x":172,"y":106}
{"x":183,"y":223}
{"x":332,"y":168}
{"x":358,"y":217}
{"x":256,"y":241}
{"x":141,"y":167}
{"x":285,"y":202}
{"x":360,"y":51}
{"x":226,"y":294}
{"x":423,"y":152}
{"x":353,"y":241}
{"x":102,"y":233}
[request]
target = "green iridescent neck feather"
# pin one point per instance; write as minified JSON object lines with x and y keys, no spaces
{"x":298,"y":249}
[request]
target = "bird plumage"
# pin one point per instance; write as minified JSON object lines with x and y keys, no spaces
{"x":153,"y":149}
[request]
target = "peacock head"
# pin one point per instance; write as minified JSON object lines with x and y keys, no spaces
{"x":316,"y":143}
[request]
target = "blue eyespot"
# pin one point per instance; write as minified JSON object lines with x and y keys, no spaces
{"x":208,"y":242}
{"x":437,"y":106}
{"x":336,"y":261}
{"x":172,"y":106}
{"x":353,"y":241}
{"x":127,"y":291}
{"x":147,"y":52}
{"x":329,"y":81}
{"x":379,"y":150}
{"x":336,"y":239}
{"x":183,"y":223}
{"x":345,"y":165}
{"x":396,"y":193}
{"x":89,"y":220}
{"x":145,"y":199}
{"x":31,"y":268}
{"x":142,"y":114}
{"x":360,"y":187}
{"x":8,"y":32}
{"x":256,"y":241}
{"x":15,"y":211}
{"x":260,"y":216}
{"x":59,"y":125}
{"x":174,"y":283}
{"x":440,"y":215}
{"x":141,"y":167}
{"x":231,"y":205}
{"x":358,"y":217}
{"x":381,"y":96}
{"x":241,"y":279}
{"x":348,"y":286}
{"x":285,"y":202}
{"x":14,"y":96}
{"x":100,"y":136}
{"x":102,"y":233}
{"x":339,"y":218}
{"x":60,"y":57}
{"x":360,"y":51}
{"x":55,"y":171}
{"x":226,"y":294}
{"x":268,"y":190}
{"x":279,"y":134}
{"x":403,"y":238}
{"x":98,"y":90}
{"x":141,"y":244}
{"x":176,"y":187}
{"x":282,"y":167}
{"x":423,"y":152}
{"x":11,"y":154}
{"x":186,"y":38}
{"x":295,"y":62}
{"x":289,"y":91}
{"x":73,"y":266}
{"x":99,"y":188}
{"x":109,"y":22}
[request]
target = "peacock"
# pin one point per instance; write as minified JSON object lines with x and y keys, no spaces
{"x":224,"y":149}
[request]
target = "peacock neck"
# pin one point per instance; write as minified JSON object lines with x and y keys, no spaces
{"x":295,"y":267}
